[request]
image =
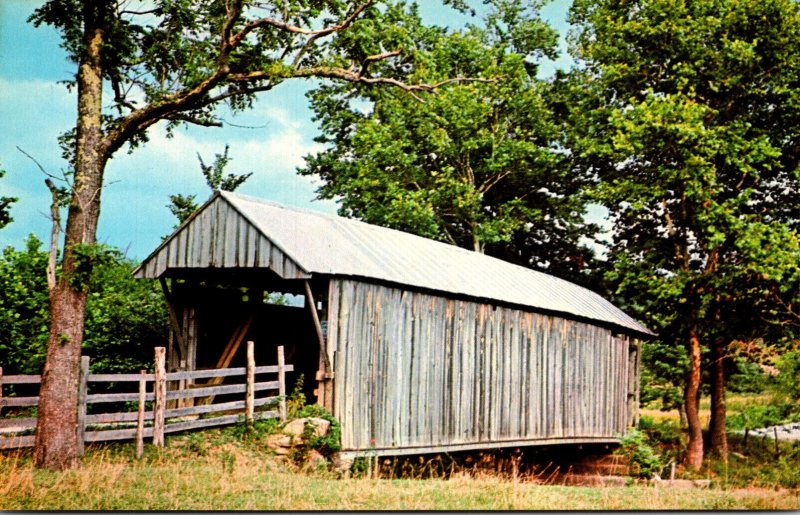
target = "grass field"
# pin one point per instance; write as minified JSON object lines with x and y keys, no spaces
{"x":229,"y":479}
{"x":235,"y":476}
{"x":233,"y":470}
{"x":734,"y":404}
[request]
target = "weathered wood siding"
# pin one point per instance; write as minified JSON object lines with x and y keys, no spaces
{"x":416,"y":370}
{"x":220,"y":237}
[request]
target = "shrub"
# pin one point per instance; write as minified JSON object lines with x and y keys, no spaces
{"x":643,"y":458}
{"x":747,"y":378}
{"x":328,"y":444}
{"x":665,"y":432}
{"x":788,"y":380}
{"x":754,"y":417}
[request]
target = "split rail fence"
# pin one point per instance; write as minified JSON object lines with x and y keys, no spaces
{"x":191,"y":404}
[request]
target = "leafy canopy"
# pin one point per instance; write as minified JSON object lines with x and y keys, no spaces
{"x":475,"y":165}
{"x":689,"y":121}
{"x":125,"y":318}
{"x":178,"y":60}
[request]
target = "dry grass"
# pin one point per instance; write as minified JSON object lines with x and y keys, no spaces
{"x":735,"y":403}
{"x":229,"y":476}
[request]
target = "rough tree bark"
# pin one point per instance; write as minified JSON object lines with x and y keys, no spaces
{"x":56,"y":448}
{"x":694,"y":452}
{"x":718,"y":425}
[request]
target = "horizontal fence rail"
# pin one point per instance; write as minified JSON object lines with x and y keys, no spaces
{"x":159,"y":410}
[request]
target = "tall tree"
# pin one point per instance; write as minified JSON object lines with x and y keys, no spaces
{"x":176,"y":61}
{"x":182,"y":206}
{"x":477,"y":164}
{"x":690,"y":122}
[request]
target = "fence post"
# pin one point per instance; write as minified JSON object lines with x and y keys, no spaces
{"x":1,"y":389}
{"x":160,"y":390}
{"x":140,"y":418}
{"x":777,"y":449}
{"x":83,"y":390}
{"x":249,"y":400}
{"x":182,"y":402}
{"x":282,"y":382}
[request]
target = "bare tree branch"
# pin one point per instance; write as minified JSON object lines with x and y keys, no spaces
{"x":286,"y":27}
{"x":183,"y":117}
{"x":41,"y":168}
{"x":55,"y":216}
{"x":333,"y":72}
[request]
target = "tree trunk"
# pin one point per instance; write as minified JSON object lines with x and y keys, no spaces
{"x":682,"y":415}
{"x":718,"y":425}
{"x":56,"y":429}
{"x":694,"y":452}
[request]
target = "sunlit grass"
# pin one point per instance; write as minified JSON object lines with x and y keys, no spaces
{"x":734,"y":404}
{"x":227,"y":470}
{"x":230,"y":476}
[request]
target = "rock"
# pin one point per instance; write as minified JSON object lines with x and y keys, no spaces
{"x":296,"y":427}
{"x":281,"y":451}
{"x":343,"y":466}
{"x":279,"y":441}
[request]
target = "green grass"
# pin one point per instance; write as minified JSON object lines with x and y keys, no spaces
{"x":224,"y":472}
{"x":734,"y":404}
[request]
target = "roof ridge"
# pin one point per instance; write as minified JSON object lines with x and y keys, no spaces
{"x":373,"y":251}
{"x":338,"y":218}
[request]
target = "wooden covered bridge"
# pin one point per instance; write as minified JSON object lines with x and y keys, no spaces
{"x":414,"y":345}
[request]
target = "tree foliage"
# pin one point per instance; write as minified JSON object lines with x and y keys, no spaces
{"x":125,"y":318}
{"x":5,"y":206}
{"x":688,"y":118}
{"x":182,"y":206}
{"x":476,"y":164}
{"x":24,"y":308}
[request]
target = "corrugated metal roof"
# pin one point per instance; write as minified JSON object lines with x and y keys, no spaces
{"x":328,"y":244}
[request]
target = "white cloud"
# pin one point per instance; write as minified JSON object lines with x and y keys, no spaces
{"x":137,"y":186}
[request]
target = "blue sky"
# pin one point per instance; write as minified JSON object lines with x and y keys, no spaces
{"x":36,"y":109}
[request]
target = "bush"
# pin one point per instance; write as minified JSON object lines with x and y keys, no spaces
{"x":747,"y":378}
{"x":754,"y":417}
{"x":666,"y":432}
{"x":328,"y":444}
{"x":125,"y":317}
{"x":788,"y":380}
{"x":643,"y":459}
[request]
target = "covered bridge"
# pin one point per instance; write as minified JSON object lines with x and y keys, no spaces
{"x":414,"y":345}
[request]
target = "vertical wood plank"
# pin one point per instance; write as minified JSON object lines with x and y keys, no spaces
{"x":348,"y":343}
{"x":140,"y":414}
{"x":638,"y":381}
{"x":191,"y":339}
{"x":249,"y":400}
{"x":83,"y":390}
{"x":160,"y":389}
{"x":332,"y":342}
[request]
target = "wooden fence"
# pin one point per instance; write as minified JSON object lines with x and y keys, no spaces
{"x":169,"y":411}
